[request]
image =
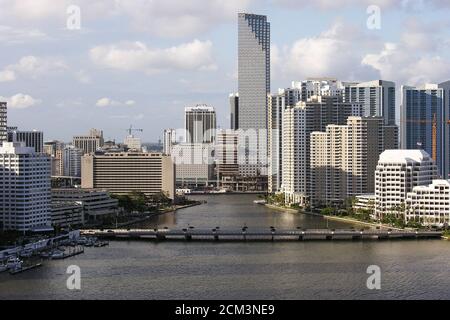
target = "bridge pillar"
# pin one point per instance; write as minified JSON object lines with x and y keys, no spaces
{"x":357,"y":237}
{"x":300,"y":238}
{"x":329,"y":238}
{"x":216,"y":237}
{"x":188,"y":237}
{"x":160,"y":237}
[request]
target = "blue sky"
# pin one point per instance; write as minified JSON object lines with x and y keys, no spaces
{"x":141,"y":62}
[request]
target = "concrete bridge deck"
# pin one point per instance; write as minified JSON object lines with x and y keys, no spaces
{"x":259,"y":235}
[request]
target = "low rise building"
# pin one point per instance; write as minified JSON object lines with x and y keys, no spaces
{"x":67,"y":214}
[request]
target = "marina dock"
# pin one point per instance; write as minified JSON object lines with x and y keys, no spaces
{"x":260,"y":235}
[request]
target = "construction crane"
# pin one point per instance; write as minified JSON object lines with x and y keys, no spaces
{"x":434,"y":132}
{"x":131,"y":130}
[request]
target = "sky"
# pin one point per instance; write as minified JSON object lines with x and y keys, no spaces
{"x":70,"y":65}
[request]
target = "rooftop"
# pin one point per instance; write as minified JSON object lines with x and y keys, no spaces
{"x":404,"y":156}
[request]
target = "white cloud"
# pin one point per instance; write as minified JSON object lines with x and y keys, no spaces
{"x":10,"y":35}
{"x":108,"y":102}
{"x":344,"y":4}
{"x":7,"y":75}
{"x":332,"y":53}
{"x":20,"y":101}
{"x":83,"y":77}
{"x":32,"y":67}
{"x":166,"y":18}
{"x":136,"y":56}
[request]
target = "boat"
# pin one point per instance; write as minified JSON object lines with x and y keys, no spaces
{"x":99,"y":244}
{"x":57,"y":254}
{"x":14,"y":263}
{"x":259,"y":201}
{"x":3,"y":267}
{"x":26,"y":253}
{"x":22,"y":269}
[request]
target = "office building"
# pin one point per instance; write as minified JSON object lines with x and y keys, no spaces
{"x":89,"y":143}
{"x":25,"y":192}
{"x":194,"y":164}
{"x":377,"y":98}
{"x":124,"y":172}
{"x":33,"y":139}
{"x":65,"y":214}
{"x":424,"y":116}
{"x":71,"y":158}
{"x":253,"y":88}
{"x":170,"y":139}
{"x":234,"y":111}
{"x":3,"y":122}
{"x":226,"y":154}
{"x":95,"y":203}
{"x":397,"y":173}
{"x":429,"y":205}
{"x":55,"y":150}
{"x":200,"y":124}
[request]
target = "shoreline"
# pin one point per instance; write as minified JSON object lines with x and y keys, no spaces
{"x":274,"y":207}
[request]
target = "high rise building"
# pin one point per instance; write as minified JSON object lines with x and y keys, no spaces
{"x":298,"y":123}
{"x":377,"y":98}
{"x":55,"y":150}
{"x":25,"y":191}
{"x":424,"y":116}
{"x":71,"y":161}
{"x":344,"y":159}
{"x":133,"y":143}
{"x":226,"y":154}
{"x":253,"y":88}
{"x":234,"y":111}
{"x":33,"y":139}
{"x":200,"y":124}
{"x":170,"y":139}
{"x":397,"y":173}
{"x":124,"y":172}
{"x":311,"y":87}
{"x":90,"y":143}
{"x":3,"y":122}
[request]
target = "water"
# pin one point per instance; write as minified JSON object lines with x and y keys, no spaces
{"x":297,"y":270}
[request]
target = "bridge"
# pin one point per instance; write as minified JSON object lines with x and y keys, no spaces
{"x":272,"y":234}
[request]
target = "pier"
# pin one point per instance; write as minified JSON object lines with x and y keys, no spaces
{"x":267,"y":235}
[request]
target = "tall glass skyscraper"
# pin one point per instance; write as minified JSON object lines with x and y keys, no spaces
{"x":200,"y":124}
{"x":420,"y":107}
{"x":254,"y":87}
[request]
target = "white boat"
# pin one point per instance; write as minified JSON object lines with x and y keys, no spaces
{"x":259,"y":201}
{"x":14,"y":263}
{"x":57,"y":254}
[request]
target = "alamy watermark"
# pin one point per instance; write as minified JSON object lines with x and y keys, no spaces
{"x":374,"y":280}
{"x":74,"y":280}
{"x":73,"y":21}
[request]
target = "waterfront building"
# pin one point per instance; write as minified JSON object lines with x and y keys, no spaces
{"x":33,"y":139}
{"x":429,"y":205}
{"x":424,"y":116}
{"x":234,"y":111}
{"x":124,"y":172}
{"x":397,"y":173}
{"x":25,"y":191}
{"x":253,"y":88}
{"x":67,"y":214}
{"x":95,"y":203}
{"x":364,"y":202}
{"x":3,"y":122}
{"x":377,"y":98}
{"x":298,"y":123}
{"x":71,"y":159}
{"x":344,"y":158}
{"x":194,"y":164}
{"x":89,"y":143}
{"x":226,"y":154}
{"x":200,"y":124}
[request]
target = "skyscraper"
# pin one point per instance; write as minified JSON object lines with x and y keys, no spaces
{"x":200,"y":124}
{"x":234,"y":111}
{"x":3,"y":122}
{"x":253,"y":88}
{"x":377,"y":98}
{"x":422,"y":108}
{"x":71,"y":161}
{"x":25,"y":192}
{"x":33,"y":139}
{"x":90,"y":143}
{"x":170,"y":139}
